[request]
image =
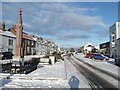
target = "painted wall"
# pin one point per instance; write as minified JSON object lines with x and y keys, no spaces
{"x":4,"y":43}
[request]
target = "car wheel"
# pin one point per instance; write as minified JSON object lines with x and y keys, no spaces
{"x":104,"y":59}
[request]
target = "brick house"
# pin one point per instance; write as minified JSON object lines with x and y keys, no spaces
{"x":27,"y":40}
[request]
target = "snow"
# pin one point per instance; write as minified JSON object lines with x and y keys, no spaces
{"x":43,"y":72}
{"x":7,"y":33}
{"x":60,"y":75}
{"x":75,"y":78}
{"x":36,"y":84}
{"x":103,"y":65}
{"x":46,"y":76}
{"x":5,"y":61}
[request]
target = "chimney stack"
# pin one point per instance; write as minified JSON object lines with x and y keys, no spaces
{"x":3,"y":26}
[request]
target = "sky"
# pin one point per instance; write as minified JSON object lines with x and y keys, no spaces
{"x":68,"y":24}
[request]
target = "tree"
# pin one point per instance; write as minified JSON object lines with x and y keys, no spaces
{"x":79,"y":50}
{"x":94,"y":50}
{"x":72,"y":50}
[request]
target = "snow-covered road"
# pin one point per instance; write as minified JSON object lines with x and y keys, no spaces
{"x":103,"y":69}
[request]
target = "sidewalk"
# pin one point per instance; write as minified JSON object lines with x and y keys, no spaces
{"x":74,"y":77}
{"x":52,"y":76}
{"x":60,"y":75}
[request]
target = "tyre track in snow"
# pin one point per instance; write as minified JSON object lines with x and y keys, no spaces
{"x":95,"y":81}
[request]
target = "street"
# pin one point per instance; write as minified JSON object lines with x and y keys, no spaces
{"x":95,"y":81}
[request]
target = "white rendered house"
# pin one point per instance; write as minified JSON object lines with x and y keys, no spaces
{"x":88,"y":48}
{"x":7,"y":41}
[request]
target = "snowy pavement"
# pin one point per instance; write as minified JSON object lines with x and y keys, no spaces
{"x":74,"y":77}
{"x":44,"y":72}
{"x":60,"y":75}
{"x":52,"y":76}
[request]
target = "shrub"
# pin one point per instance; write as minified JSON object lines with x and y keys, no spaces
{"x":57,"y":56}
{"x":46,"y":56}
{"x":72,"y":50}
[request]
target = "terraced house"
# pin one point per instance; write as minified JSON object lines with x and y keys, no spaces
{"x":28,"y":41}
{"x":7,"y":39}
{"x":44,"y":46}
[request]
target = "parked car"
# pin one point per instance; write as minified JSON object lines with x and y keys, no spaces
{"x":99,"y":57}
{"x":6,"y":55}
{"x":89,"y":55}
{"x":106,"y":57}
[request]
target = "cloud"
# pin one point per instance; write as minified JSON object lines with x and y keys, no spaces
{"x":27,"y":25}
{"x":9,"y":22}
{"x":55,"y":19}
{"x":73,"y":37}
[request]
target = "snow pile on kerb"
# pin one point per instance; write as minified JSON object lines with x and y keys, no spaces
{"x":52,"y":76}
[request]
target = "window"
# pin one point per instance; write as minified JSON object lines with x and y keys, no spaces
{"x":113,"y":39}
{"x":10,"y":42}
{"x":32,"y":43}
{"x":28,"y":49}
{"x":10,"y":50}
{"x":28,"y":42}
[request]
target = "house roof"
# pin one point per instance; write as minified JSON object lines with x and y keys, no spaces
{"x":7,"y":33}
{"x":25,"y":35}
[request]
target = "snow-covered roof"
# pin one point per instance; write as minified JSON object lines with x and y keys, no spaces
{"x":88,"y":44}
{"x":6,"y":33}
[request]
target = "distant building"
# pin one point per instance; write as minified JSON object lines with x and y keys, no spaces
{"x":39,"y":46}
{"x":7,"y":39}
{"x":44,"y":46}
{"x":105,"y":48}
{"x":114,"y":35}
{"x":88,"y":48}
{"x":81,"y":49}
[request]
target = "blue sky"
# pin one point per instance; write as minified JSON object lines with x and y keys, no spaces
{"x":69,"y":24}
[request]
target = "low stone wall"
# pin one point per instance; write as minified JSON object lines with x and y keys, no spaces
{"x":44,"y":60}
{"x":49,"y":60}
